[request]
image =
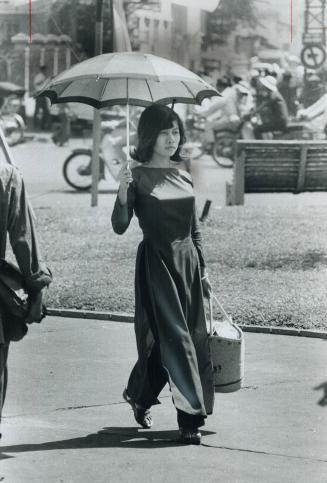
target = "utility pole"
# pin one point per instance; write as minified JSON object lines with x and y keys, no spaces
{"x":314,"y":22}
{"x":97,"y":117}
{"x":111,"y":10}
{"x":313,"y":54}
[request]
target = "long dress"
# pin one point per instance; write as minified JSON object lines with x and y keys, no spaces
{"x":169,"y":307}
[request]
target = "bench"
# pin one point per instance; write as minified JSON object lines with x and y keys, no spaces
{"x":277,"y":166}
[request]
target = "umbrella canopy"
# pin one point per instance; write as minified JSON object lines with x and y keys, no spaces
{"x":128,"y":78}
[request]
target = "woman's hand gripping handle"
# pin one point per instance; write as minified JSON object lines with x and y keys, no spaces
{"x":206,"y":285}
{"x":125,"y":178}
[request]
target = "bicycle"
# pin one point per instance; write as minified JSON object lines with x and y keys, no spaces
{"x":219,"y":145}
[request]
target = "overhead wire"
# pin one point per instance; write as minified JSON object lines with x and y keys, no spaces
{"x":69,"y":45}
{"x":45,"y":6}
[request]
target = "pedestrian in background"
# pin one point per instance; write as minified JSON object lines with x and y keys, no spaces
{"x":62,"y":132}
{"x":170,"y":277}
{"x":289,"y":92}
{"x":42,"y":116}
{"x":16,"y":221}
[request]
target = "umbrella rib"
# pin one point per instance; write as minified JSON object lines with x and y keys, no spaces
{"x":187,"y":87}
{"x":103,"y":89}
{"x":57,"y":96}
{"x":149,"y":90}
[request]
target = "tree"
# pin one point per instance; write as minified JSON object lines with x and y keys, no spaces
{"x":77,"y":19}
{"x":226,"y":17}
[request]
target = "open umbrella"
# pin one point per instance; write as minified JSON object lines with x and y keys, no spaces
{"x":126,"y":78}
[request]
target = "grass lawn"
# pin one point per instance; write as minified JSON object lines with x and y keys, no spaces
{"x":267,"y":264}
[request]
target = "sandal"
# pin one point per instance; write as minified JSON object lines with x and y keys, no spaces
{"x":189,"y":436}
{"x":142,"y":415}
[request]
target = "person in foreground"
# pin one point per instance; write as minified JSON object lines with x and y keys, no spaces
{"x":170,"y":277}
{"x":16,"y":220}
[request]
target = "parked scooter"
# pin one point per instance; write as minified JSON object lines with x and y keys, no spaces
{"x":11,"y":112}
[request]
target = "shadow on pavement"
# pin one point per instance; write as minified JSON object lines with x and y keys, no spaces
{"x":323,"y":386}
{"x":111,"y":437}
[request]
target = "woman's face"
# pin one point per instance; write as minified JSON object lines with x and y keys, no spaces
{"x":167,"y":141}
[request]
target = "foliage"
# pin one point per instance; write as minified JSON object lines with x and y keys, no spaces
{"x":77,"y":18}
{"x":227,"y":16}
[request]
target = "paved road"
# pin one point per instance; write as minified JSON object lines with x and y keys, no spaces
{"x":65,"y":419}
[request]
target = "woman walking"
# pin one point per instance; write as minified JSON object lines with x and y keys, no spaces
{"x":170,"y":277}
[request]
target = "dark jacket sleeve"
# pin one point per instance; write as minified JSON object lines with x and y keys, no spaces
{"x":197,"y":240}
{"x":280,"y":110}
{"x":22,"y":236}
{"x":122,"y":214}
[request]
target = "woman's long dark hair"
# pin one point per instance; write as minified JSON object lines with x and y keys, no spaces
{"x":154,"y":119}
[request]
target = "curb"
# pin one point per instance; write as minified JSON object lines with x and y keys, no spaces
{"x":129,"y":319}
{"x":89,"y":314}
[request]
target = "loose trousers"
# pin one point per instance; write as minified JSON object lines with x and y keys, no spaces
{"x":3,"y":374}
{"x":158,"y":378}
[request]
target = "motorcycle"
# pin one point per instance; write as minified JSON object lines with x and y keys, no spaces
{"x":11,"y":112}
{"x":224,"y":147}
{"x":13,"y":127}
{"x":77,"y":168}
{"x":218,"y":143}
{"x":196,"y":144}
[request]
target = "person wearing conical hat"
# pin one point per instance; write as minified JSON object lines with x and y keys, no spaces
{"x":272,"y":109}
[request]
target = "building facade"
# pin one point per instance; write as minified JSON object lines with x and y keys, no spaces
{"x":19,"y":58}
{"x":276,"y":38}
{"x":170,"y":28}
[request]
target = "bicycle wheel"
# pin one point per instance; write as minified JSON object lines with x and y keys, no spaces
{"x":77,"y":170}
{"x":224,"y":149}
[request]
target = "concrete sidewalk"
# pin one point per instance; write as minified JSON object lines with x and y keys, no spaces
{"x":65,"y":419}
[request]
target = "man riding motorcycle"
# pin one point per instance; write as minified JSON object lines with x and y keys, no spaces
{"x":226,"y":112}
{"x":271,"y":107}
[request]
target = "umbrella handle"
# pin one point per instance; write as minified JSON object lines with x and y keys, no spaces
{"x":127,"y":134}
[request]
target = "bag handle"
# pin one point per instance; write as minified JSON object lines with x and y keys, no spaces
{"x":221,"y":308}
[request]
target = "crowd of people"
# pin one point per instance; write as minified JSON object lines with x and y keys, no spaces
{"x":270,"y":98}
